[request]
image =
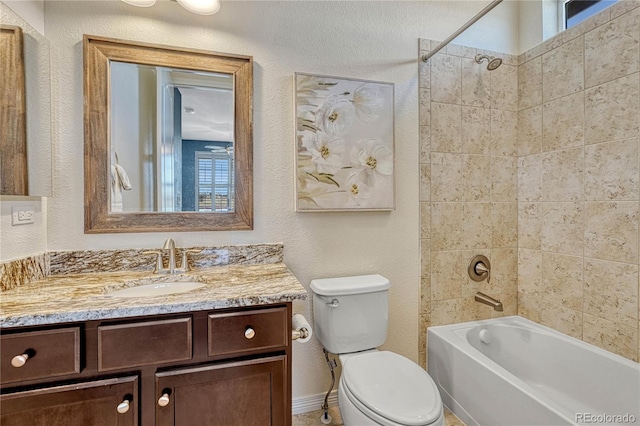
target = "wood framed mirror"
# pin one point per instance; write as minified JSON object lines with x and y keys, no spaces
{"x":168,"y":138}
{"x":13,"y":130}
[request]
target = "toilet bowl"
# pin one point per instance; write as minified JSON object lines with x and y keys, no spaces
{"x":376,"y":387}
{"x":384,"y":388}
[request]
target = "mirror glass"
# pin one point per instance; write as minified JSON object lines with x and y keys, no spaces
{"x":32,"y":131}
{"x":168,"y":138}
{"x":171,"y":149}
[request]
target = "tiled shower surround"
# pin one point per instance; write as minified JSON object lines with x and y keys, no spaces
{"x":535,"y":165}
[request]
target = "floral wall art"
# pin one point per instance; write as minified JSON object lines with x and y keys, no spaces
{"x":344,"y":144}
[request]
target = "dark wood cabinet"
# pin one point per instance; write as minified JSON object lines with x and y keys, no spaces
{"x":229,"y":367}
{"x":110,"y":402}
{"x":244,"y":393}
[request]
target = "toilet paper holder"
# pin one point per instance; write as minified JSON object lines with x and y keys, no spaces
{"x":301,"y":329}
{"x":303,"y":333}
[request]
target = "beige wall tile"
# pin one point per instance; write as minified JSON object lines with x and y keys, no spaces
{"x":504,"y":88}
{"x":504,"y":133}
{"x":446,"y":226}
{"x":425,"y":257}
{"x":504,"y":178}
{"x":425,"y":107}
{"x":476,"y":84}
{"x":562,"y":280}
{"x":462,"y":51}
{"x":530,"y":178}
{"x":446,"y":79}
{"x":563,"y":175}
{"x":529,"y":271}
{"x":476,"y":178}
{"x":586,"y":25}
{"x":446,"y":128}
{"x":530,"y":131}
{"x":611,"y":231}
{"x":611,"y":336}
{"x":529,"y":225}
{"x":424,"y":77}
{"x":452,"y":311}
{"x":476,"y":130}
{"x":611,"y":291}
{"x":563,"y":122}
{"x":560,"y":318}
{"x":446,"y":177}
{"x":504,"y":272}
{"x":425,"y":182}
{"x":504,"y":225}
{"x":425,"y":144}
{"x":563,"y":228}
{"x":448,"y":273}
{"x":530,"y":84}
{"x":612,"y":50}
{"x":425,"y":220}
{"x":623,"y":7}
{"x":562,"y":70}
{"x":612,"y":110}
{"x":476,"y":234}
{"x":611,"y":170}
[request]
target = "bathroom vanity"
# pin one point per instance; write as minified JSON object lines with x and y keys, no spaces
{"x":219,"y":355}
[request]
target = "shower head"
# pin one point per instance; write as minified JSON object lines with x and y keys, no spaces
{"x":494,"y":62}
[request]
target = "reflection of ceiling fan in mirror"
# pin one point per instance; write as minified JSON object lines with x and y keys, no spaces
{"x":217,"y":149}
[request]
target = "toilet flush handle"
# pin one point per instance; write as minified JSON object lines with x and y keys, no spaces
{"x":334,"y":303}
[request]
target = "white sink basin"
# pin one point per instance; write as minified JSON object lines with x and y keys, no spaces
{"x":157,"y":289}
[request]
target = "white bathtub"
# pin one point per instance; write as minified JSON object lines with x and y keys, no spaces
{"x":529,"y":374}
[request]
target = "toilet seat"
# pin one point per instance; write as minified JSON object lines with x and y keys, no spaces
{"x":391,"y":389}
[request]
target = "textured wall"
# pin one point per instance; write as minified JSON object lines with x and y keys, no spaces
{"x":578,"y":174}
{"x":468,"y":184}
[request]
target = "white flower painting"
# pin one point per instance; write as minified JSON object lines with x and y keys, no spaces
{"x":344,"y":149}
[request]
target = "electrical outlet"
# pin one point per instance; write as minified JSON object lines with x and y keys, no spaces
{"x":22,"y":215}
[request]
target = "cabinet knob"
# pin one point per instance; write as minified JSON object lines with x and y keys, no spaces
{"x":249,"y":333}
{"x":163,"y":401}
{"x":19,"y":360}
{"x":123,"y":407}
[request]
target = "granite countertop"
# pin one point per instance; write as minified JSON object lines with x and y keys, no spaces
{"x":84,"y":297}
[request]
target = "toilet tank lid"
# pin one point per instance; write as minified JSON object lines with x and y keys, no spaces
{"x":341,"y":286}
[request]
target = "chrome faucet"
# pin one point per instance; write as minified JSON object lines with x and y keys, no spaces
{"x":170,"y":245}
{"x":488,"y":300}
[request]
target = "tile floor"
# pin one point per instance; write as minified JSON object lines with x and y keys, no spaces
{"x":313,"y":418}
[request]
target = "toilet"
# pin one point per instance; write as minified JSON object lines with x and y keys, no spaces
{"x":351,"y":316}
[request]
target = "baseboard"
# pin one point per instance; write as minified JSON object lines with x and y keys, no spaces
{"x":306,"y":404}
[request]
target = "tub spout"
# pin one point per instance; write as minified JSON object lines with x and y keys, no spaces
{"x":488,"y":300}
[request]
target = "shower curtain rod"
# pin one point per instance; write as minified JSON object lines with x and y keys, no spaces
{"x":469,"y":23}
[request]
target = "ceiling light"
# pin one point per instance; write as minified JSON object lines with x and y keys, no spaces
{"x":140,"y":3}
{"x":201,"y":7}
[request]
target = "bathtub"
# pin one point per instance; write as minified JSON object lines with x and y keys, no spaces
{"x":511,"y":371}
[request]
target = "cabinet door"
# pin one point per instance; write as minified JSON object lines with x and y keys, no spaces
{"x":243,"y":393}
{"x":97,"y":403}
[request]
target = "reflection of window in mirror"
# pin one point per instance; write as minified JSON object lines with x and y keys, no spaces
{"x":214,"y":174}
{"x":154,"y":139}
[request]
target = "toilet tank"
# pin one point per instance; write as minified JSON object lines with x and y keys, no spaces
{"x":351,"y":314}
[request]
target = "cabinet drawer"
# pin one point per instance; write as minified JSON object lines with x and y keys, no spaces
{"x":247,"y":331}
{"x":144,"y":343}
{"x":99,"y":402}
{"x":49,"y":353}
